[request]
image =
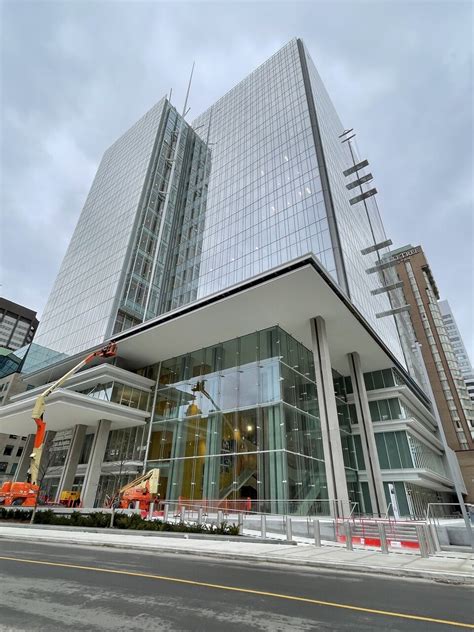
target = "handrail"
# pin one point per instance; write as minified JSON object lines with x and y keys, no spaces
{"x":352,"y":510}
{"x":430,"y":505}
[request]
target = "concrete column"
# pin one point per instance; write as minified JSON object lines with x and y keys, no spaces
{"x":24,"y":463}
{"x":72,"y":459}
{"x":367,"y":436}
{"x":91,"y":478}
{"x":333,"y":454}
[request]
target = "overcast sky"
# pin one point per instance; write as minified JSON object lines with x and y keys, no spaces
{"x":75,"y":75}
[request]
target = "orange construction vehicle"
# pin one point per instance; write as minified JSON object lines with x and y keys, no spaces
{"x":26,"y":493}
{"x":143,"y":490}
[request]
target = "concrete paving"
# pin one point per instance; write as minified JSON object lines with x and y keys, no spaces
{"x":444,"y":566}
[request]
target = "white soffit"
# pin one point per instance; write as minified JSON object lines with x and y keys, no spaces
{"x":65,"y":409}
{"x":290,"y":300}
{"x":289,"y":296}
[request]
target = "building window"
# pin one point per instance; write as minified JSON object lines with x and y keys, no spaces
{"x":3,"y":466}
{"x":19,"y":451}
{"x":8,"y":450}
{"x":393,"y":450}
{"x":385,"y":409}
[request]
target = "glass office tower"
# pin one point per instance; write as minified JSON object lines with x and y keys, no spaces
{"x":178,"y":212}
{"x":120,"y":266}
{"x":277,"y":188}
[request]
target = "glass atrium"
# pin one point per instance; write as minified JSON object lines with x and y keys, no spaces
{"x":239,"y":422}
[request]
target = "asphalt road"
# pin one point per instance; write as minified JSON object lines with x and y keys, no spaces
{"x":55,"y":587}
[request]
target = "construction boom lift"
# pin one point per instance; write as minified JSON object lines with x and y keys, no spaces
{"x":26,"y":493}
{"x":143,"y":490}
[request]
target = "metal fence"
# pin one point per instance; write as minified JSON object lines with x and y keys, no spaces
{"x":385,"y":534}
{"x":382,"y":534}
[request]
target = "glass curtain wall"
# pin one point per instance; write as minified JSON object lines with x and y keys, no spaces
{"x":118,"y":393}
{"x":238,"y":423}
{"x":166,"y":253}
{"x":347,"y":415}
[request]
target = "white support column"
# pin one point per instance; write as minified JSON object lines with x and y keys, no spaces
{"x":367,"y":436}
{"x":91,"y":478}
{"x":333,"y":454}
{"x":72,"y":459}
{"x":24,"y":464}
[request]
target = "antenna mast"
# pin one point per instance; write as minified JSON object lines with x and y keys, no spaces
{"x":185,"y":111}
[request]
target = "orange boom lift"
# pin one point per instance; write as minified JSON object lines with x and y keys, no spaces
{"x":143,"y":490}
{"x":26,"y":493}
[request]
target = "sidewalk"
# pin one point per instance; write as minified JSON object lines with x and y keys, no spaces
{"x":445,"y":566}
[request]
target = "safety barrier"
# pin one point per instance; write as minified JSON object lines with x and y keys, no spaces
{"x":382,"y":534}
{"x":385,"y":534}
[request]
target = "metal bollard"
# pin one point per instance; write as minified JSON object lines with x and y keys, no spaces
{"x":151,"y":509}
{"x":263,"y":526}
{"x":383,"y":538}
{"x":434,"y":538}
{"x":219,"y":517}
{"x":430,"y":544}
{"x":182,"y":514}
{"x":240,"y":523}
{"x":289,"y":530}
{"x":421,"y":540}
{"x":317,"y":532}
{"x":349,"y":545}
{"x":166,"y":509}
{"x":199,"y":518}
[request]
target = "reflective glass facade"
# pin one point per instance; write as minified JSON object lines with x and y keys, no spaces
{"x":176,"y":212}
{"x":164,"y":267}
{"x":265,"y":202}
{"x":240,"y":421}
{"x":83,"y":297}
{"x":127,"y":259}
{"x":345,"y":413}
{"x":357,"y":226}
{"x":277,"y":189}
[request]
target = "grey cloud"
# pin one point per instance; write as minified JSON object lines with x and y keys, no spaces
{"x":76,"y":75}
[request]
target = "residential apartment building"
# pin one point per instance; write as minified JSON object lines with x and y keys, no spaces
{"x":257,"y":357}
{"x":450,"y":392}
{"x":459,"y":348}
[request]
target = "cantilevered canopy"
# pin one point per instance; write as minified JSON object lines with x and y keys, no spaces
{"x":65,"y":409}
{"x":289,"y":295}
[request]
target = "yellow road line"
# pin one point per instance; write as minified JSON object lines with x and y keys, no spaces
{"x":250,"y":591}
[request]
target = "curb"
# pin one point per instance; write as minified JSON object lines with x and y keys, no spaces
{"x":446,"y":578}
{"x":178,"y":535}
